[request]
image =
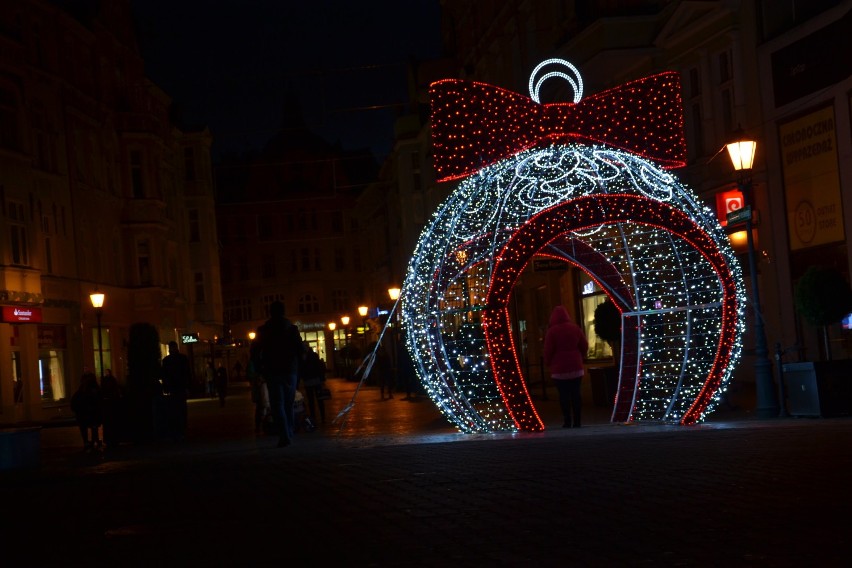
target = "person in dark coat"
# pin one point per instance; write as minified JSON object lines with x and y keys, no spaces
{"x":86,"y":405}
{"x":111,"y":401}
{"x":565,"y":347}
{"x":177,"y":376}
{"x":222,"y":383}
{"x":313,"y":377}
{"x":382,"y":370}
{"x":277,"y":353}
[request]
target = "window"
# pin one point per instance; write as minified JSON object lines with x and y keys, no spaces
{"x":694,"y":115}
{"x":199,"y":287}
{"x":106,"y":351}
{"x":697,"y":130}
{"x":337,"y":222}
{"x":694,"y":83}
{"x":224,"y":229}
{"x":317,"y":260}
{"x":268,"y":299}
{"x":339,"y":260}
{"x":52,"y":344}
{"x":294,"y":261}
{"x":308,"y":304}
{"x":136,"y":175}
{"x":339,"y":300}
{"x":264,"y":226}
{"x":238,"y":310}
{"x":143,"y":262}
{"x":189,"y":164}
{"x":227,"y":273}
{"x":726,"y":93}
{"x":244,"y":268}
{"x":356,"y":259}
{"x":306,"y":259}
{"x":268,"y":266}
{"x":19,"y":243}
{"x":48,"y":255}
{"x":10,"y":132}
{"x":724,"y":68}
{"x":45,"y":152}
{"x":194,"y":228}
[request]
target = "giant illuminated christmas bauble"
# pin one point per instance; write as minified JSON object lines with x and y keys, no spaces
{"x":648,"y":241}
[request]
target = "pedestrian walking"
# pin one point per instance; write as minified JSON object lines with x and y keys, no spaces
{"x":111,"y":409}
{"x":277,"y":354}
{"x":210,"y":376}
{"x":222,"y":383}
{"x":86,"y":405}
{"x":313,"y":378}
{"x":565,"y":346}
{"x":259,"y":396}
{"x":382,"y":370}
{"x":176,"y":378}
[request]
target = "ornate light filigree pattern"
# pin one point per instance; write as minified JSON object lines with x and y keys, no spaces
{"x":656,"y":250}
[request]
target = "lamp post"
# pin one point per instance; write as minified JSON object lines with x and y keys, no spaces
{"x":742,"y":153}
{"x":362,"y":311}
{"x":97,"y":298}
{"x":393,"y":294}
{"x":344,"y":320}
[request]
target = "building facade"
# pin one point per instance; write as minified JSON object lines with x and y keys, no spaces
{"x":732,"y":57}
{"x":99,"y":191}
{"x":289,"y":232}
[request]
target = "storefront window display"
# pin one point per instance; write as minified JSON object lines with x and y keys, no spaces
{"x":591,"y":297}
{"x":51,"y":362}
{"x":107,"y":351}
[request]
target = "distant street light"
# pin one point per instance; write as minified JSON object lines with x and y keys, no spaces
{"x":742,"y":153}
{"x":97,"y":299}
{"x":251,"y":335}
{"x":362,"y":311}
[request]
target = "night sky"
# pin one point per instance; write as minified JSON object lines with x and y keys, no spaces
{"x":226,"y":64}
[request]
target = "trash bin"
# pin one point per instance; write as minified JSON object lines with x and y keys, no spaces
{"x":818,"y":388}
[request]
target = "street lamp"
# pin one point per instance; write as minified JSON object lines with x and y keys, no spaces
{"x":251,"y":335}
{"x":362,"y":311}
{"x":344,"y":321}
{"x":742,"y":153}
{"x":393,"y":294}
{"x":97,"y":299}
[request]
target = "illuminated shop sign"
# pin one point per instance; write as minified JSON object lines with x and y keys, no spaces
{"x":18,"y":314}
{"x":189,"y":338}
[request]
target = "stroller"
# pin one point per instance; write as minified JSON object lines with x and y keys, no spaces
{"x":302,"y":420}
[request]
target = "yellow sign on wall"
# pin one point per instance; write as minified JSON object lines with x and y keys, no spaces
{"x":811,"y":180}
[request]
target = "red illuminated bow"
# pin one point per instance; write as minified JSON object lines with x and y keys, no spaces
{"x":475,"y":124}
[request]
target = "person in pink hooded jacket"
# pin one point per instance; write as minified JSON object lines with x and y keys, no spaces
{"x":565,"y":346}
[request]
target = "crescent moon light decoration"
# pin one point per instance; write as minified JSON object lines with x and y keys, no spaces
{"x":579,"y":196}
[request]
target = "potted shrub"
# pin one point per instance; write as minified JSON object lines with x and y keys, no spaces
{"x":820,"y":388}
{"x":604,"y":380}
{"x":143,"y":374}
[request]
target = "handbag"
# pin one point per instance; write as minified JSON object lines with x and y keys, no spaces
{"x":323,"y":393}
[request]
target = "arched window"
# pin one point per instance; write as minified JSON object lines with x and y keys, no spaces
{"x":308,"y":304}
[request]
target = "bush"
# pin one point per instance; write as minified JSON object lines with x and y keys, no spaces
{"x":608,"y":322}
{"x":823,"y":296}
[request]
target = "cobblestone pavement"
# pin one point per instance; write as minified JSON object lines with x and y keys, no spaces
{"x":396,"y":486}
